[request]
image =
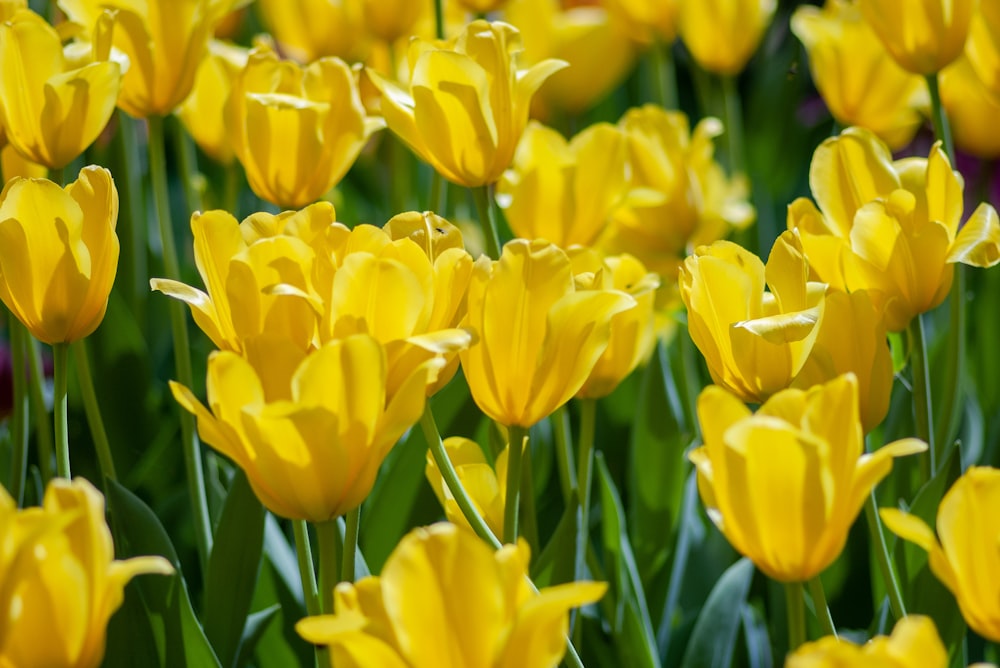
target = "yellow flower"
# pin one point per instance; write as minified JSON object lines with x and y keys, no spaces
{"x":312,"y":29}
{"x":633,"y":333}
{"x":860,"y":84}
{"x":564,"y":191}
{"x":538,"y":338}
{"x":891,"y":228}
{"x":983,"y":45}
{"x":296,"y":130}
{"x":648,"y":20}
{"x":754,"y":342}
{"x":972,"y":110}
{"x":59,"y":253}
{"x":203,"y":111}
{"x":600,"y":55}
{"x":914,"y":643}
{"x":964,"y":554}
{"x":164,"y":40}
{"x":468,"y":102}
{"x":924,"y":36}
{"x":51,"y":108}
{"x":784,"y":485}
{"x":486,"y":485}
{"x":61,"y":583}
{"x":481,"y":6}
{"x":389,"y":20}
{"x":722,"y":34}
{"x":310,"y":431}
{"x":446,"y":600}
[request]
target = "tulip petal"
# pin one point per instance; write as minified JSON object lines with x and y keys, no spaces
{"x":978,"y":242}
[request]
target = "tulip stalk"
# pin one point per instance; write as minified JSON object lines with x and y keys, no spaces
{"x":564,"y":453}
{"x":585,"y":464}
{"x":326,"y":536}
{"x":36,"y":395}
{"x":664,"y":74}
{"x":307,"y":572}
{"x":938,"y":117}
{"x":821,"y":607}
{"x":60,"y":358}
{"x":795,"y":608}
{"x":877,"y":536}
{"x":20,"y":415}
{"x":922,"y":406}
{"x":734,"y":125}
{"x":484,"y":205}
{"x":350,"y":544}
{"x":93,"y":411}
{"x":134,"y":231}
{"x":515,"y":449}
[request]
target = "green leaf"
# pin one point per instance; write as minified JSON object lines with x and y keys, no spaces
{"x":256,"y":626}
{"x":758,"y":640}
{"x":557,"y":562}
{"x":713,"y":639}
{"x":900,"y":351}
{"x":232,"y":569}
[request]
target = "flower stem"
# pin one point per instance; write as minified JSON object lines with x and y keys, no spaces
{"x":43,"y":430}
{"x":184,"y":146}
{"x":585,"y":464}
{"x":922,"y":405}
{"x":564,"y":453}
{"x":134,"y":232}
{"x":20,"y":415}
{"x":350,"y":544}
{"x":822,"y":608}
{"x":91,"y":407}
{"x":515,"y":448}
{"x":939,"y":119}
{"x":664,"y":74}
{"x":60,"y":408}
{"x":484,"y":205}
{"x":795,"y":607}
{"x":182,"y":349}
{"x":307,"y":572}
{"x":58,"y":176}
{"x":734,"y":125}
{"x":877,"y":536}
{"x":326,"y":534}
{"x":439,"y":19}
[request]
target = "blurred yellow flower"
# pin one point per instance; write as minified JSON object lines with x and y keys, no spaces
{"x":310,"y":431}
{"x":61,"y":583}
{"x":564,"y":191}
{"x":972,"y":110}
{"x":51,"y":107}
{"x":924,"y":36}
{"x":446,"y":600}
{"x":485,"y":484}
{"x":311,"y":29}
{"x":983,"y":46}
{"x":964,"y":554}
{"x":784,"y":485}
{"x":914,"y":643}
{"x":722,"y":35}
{"x":893,"y":228}
{"x":390,"y":20}
{"x":481,"y":6}
{"x":860,"y":84}
{"x":467,"y":103}
{"x":645,"y":20}
{"x":296,"y":130}
{"x":537,"y":336}
{"x":203,"y":111}
{"x":59,"y":253}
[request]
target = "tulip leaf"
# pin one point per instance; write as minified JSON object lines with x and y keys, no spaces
{"x":233,"y":568}
{"x":257,"y":624}
{"x":713,"y":640}
{"x":131,"y":640}
{"x":557,"y":562}
{"x":137,"y":532}
{"x":899,"y":350}
{"x":757,"y":638}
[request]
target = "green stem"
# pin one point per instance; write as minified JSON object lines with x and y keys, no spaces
{"x":450,"y":477}
{"x":134,"y":230}
{"x":822,"y":608}
{"x":529,"y":523}
{"x":231,"y":189}
{"x":92,"y":408}
{"x":564,"y":452}
{"x":43,"y":428}
{"x":585,"y":464}
{"x":795,"y":607}
{"x":326,"y":535}
{"x":307,"y":572}
{"x":58,"y":176}
{"x":734,"y":125}
{"x":664,"y":74}
{"x":182,"y":349}
{"x":484,"y":205}
{"x":922,"y":405}
{"x":436,"y":202}
{"x":60,"y":352}
{"x":877,"y":536}
{"x":940,"y":120}
{"x":515,"y":448}
{"x":188,"y":160}
{"x":20,"y":415}
{"x":439,"y":19}
{"x":947,"y":420}
{"x":350,"y":544}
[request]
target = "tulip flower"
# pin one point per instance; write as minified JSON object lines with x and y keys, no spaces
{"x":311,"y":29}
{"x":485,"y":484}
{"x":646,"y":20}
{"x":983,"y":46}
{"x":445,"y":599}
{"x":537,"y":336}
{"x":914,"y":643}
{"x":61,"y":583}
{"x":784,"y":485}
{"x":891,"y":228}
{"x":860,"y":84}
{"x":481,"y":6}
{"x":564,"y":191}
{"x":972,"y":110}
{"x":924,"y":36}
{"x":722,"y":34}
{"x":296,"y":130}
{"x":310,"y":431}
{"x":164,"y":40}
{"x":51,"y":108}
{"x":203,"y":112}
{"x":963,"y":555}
{"x":468,"y":102}
{"x":59,"y":253}
{"x":391,"y":20}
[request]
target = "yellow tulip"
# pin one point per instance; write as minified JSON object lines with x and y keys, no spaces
{"x":784,"y":485}
{"x":390,"y":21}
{"x":59,"y":253}
{"x":890,"y":228}
{"x":924,"y":36}
{"x":481,"y":6}
{"x":446,"y":600}
{"x":722,"y":34}
{"x":564,"y":191}
{"x":860,"y":84}
{"x":203,"y":111}
{"x":61,"y":583}
{"x":312,"y":29}
{"x":486,"y":485}
{"x":600,"y":55}
{"x":633,"y":333}
{"x":972,"y":110}
{"x":164,"y":40}
{"x":538,"y":338}
{"x":646,"y":20}
{"x":14,"y":164}
{"x":754,"y":342}
{"x":963,"y":555}
{"x":296,"y":130}
{"x":467,"y":103}
{"x":310,"y":431}
{"x":983,"y":46}
{"x":914,"y":643}
{"x":53,"y":110}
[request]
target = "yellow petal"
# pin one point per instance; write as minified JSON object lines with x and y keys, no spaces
{"x":978,"y":242}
